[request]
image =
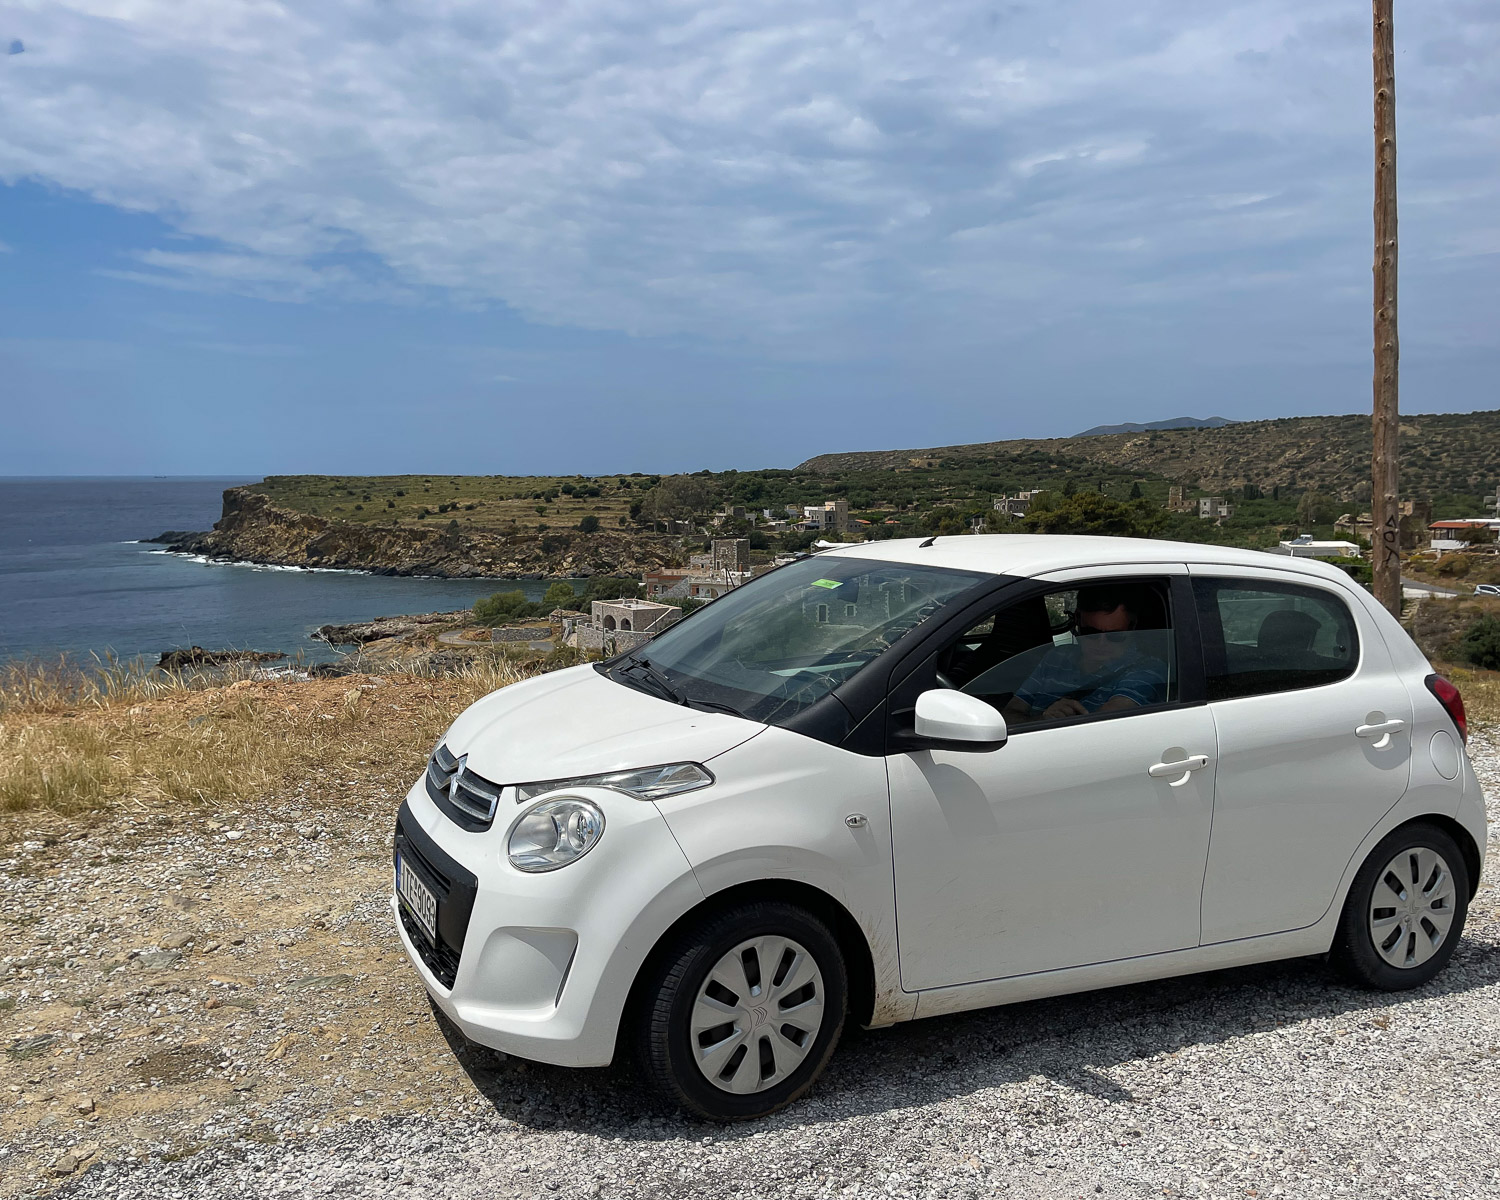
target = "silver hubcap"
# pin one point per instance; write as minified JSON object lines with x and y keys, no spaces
{"x":757,"y":1014}
{"x":1412,"y":909}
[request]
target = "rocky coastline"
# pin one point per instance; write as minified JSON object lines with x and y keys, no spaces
{"x":198,"y":657}
{"x":360,"y":633}
{"x":254,"y":530}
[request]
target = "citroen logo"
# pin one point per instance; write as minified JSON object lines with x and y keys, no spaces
{"x":458,"y":772}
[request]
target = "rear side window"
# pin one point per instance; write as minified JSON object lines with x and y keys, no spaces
{"x":1272,"y":637}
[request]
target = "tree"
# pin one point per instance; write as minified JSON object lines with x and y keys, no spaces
{"x":677,"y":498}
{"x":1091,"y":513}
{"x":1135,"y":491}
{"x":1481,"y":643}
{"x":559,"y":595}
{"x":501,"y":607}
{"x":1313,"y":508}
{"x":589,"y":524}
{"x":944,"y":519}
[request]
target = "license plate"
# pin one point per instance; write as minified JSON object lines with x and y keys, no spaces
{"x":417,"y":897}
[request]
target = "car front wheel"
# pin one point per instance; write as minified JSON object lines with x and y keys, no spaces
{"x":1405,"y":910}
{"x":743,"y":1010}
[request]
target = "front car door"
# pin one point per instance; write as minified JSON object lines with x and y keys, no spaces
{"x":1314,"y":734}
{"x":1063,"y":847}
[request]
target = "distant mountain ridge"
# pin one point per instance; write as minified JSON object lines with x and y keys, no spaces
{"x":1169,"y":423}
{"x":1440,"y":452}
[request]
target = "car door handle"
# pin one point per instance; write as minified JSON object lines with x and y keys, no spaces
{"x":1183,"y":767}
{"x":1394,"y":725}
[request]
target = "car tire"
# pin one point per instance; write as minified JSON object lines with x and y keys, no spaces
{"x":749,"y":1064}
{"x":1405,"y":910}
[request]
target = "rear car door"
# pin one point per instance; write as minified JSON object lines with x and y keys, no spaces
{"x":1314,"y":736}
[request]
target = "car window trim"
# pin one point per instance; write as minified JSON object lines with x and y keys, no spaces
{"x":1214,"y":642}
{"x":1187,"y":639}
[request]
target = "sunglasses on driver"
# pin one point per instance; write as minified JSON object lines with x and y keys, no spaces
{"x":1080,"y":629}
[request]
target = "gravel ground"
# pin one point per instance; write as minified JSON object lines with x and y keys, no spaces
{"x":1263,"y":1081}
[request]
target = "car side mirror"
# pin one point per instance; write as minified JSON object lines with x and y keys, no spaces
{"x":952,"y":720}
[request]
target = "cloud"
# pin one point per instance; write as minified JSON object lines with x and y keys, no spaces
{"x":810,"y":175}
{"x":5,"y":249}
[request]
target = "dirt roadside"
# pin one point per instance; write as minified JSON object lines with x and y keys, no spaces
{"x":171,"y":982}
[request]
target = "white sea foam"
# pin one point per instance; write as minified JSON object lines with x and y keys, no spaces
{"x":207,"y":561}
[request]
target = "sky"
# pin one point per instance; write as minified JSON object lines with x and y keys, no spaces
{"x":613,"y":235}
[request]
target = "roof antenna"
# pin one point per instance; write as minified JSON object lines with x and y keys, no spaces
{"x":928,"y":542}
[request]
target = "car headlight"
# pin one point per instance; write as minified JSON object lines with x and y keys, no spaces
{"x":555,"y":833}
{"x":647,"y":783}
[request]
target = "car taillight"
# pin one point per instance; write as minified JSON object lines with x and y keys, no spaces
{"x":1449,"y":698}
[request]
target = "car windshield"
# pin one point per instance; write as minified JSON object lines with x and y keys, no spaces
{"x":779,"y":643}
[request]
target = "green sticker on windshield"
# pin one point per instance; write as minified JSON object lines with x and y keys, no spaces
{"x":828,"y":583}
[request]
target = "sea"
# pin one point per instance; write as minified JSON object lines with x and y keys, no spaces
{"x":76,"y":579}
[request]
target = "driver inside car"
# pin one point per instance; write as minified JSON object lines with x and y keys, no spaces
{"x":1102,"y":670}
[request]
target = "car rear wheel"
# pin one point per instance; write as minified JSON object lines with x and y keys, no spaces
{"x":743,"y":1011}
{"x":1405,"y":910}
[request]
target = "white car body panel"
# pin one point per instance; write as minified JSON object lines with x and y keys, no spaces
{"x":514,"y":991}
{"x":788,"y":801}
{"x":945,"y":861}
{"x":1297,"y":789}
{"x":1055,"y":850}
{"x":575,"y":722}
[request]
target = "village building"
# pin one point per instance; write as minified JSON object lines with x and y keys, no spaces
{"x":832,"y":516}
{"x":615,"y":626}
{"x":1458,"y":534}
{"x":1016,"y":506}
{"x":1306,"y":547}
{"x":730,"y":554}
{"x":1414,"y":516}
{"x":1214,"y":508}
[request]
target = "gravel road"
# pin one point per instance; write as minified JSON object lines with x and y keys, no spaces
{"x":1264,"y":1081}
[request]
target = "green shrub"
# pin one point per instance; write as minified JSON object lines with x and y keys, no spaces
{"x":1456,"y":565}
{"x":1358,"y":569}
{"x":1481,"y":643}
{"x":505,"y":607}
{"x":589,"y":524}
{"x":559,"y":595}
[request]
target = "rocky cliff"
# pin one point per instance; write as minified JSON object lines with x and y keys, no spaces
{"x":253,"y":529}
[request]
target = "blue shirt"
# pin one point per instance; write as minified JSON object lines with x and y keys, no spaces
{"x":1134,"y":675}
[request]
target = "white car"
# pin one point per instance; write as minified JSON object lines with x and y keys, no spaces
{"x":907,"y":778}
{"x":1487,"y":589}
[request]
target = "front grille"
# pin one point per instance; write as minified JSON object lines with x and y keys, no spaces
{"x":455,"y":888}
{"x":467,"y":798}
{"x":440,"y":960}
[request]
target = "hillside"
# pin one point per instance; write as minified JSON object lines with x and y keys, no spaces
{"x":506,"y":526}
{"x":1451,"y":453}
{"x":256,"y":529}
{"x":1149,"y":426}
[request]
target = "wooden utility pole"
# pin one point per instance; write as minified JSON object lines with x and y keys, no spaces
{"x":1385,"y":517}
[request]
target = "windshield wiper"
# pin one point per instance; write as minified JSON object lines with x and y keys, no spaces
{"x":717,"y":706}
{"x":664,"y":685}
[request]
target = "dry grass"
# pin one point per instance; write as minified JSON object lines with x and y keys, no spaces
{"x":35,"y":687}
{"x":1480,"y":690}
{"x":72,"y":742}
{"x":70,"y":745}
